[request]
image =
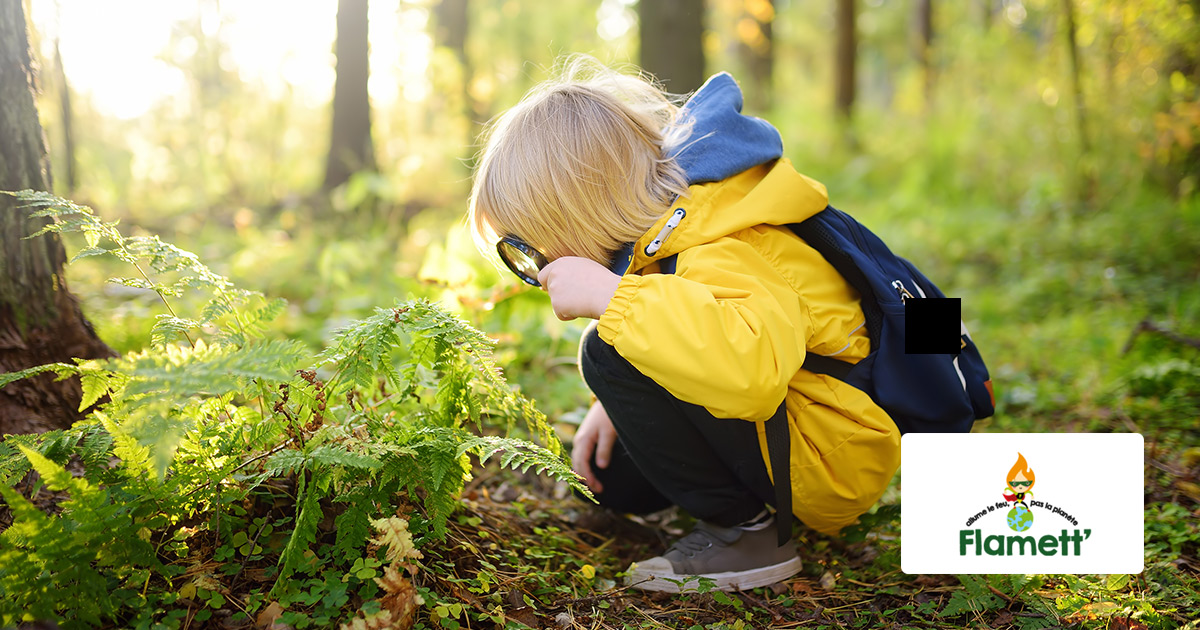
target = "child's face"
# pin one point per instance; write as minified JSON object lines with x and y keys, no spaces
{"x":1020,"y":483}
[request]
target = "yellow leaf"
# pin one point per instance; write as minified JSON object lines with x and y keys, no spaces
{"x":587,"y":571}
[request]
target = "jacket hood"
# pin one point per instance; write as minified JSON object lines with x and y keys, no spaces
{"x":736,"y":175}
{"x":723,"y":141}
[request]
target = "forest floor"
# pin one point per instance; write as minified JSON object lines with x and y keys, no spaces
{"x":521,"y":551}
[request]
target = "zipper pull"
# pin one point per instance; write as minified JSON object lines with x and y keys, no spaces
{"x":672,"y":223}
{"x":903,"y":292}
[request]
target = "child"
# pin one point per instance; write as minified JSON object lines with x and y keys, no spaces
{"x":594,"y":179}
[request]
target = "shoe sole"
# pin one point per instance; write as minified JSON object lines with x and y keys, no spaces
{"x":669,"y":582}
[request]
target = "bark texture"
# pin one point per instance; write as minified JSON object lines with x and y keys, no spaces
{"x":40,"y":321}
{"x":671,"y":36}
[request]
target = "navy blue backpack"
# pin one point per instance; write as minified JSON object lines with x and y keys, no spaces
{"x":923,"y":393}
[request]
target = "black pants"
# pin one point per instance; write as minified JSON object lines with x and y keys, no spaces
{"x":671,"y":452}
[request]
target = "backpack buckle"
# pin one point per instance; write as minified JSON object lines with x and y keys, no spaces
{"x":904,"y":294}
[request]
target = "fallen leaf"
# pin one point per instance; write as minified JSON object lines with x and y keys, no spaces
{"x":801,"y":586}
{"x":524,"y":615}
{"x":401,"y":598}
{"x":1126,"y":623}
{"x":828,"y":581}
{"x":267,"y":617}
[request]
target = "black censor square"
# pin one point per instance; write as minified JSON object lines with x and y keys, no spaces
{"x":933,"y":326}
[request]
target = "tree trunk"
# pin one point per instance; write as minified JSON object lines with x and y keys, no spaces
{"x":756,"y":43}
{"x":40,"y":321}
{"x":844,"y":58}
{"x":350,"y":147}
{"x":1076,"y":84}
{"x":924,"y":28}
{"x":64,"y":101}
{"x":1087,"y":176}
{"x":452,"y":25}
{"x":671,"y":36}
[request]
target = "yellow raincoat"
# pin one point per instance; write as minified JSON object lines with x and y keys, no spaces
{"x":730,"y":329}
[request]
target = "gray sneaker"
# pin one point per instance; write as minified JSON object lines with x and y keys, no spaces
{"x":733,"y":558}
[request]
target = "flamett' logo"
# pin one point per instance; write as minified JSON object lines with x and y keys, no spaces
{"x":1018,"y":492}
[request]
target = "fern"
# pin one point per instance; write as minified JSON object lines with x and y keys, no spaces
{"x":975,"y":598}
{"x":308,"y":515}
{"x":219,"y":412}
{"x":522,"y":455}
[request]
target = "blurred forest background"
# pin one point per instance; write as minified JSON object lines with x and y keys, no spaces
{"x":1039,"y":159}
{"x":1039,"y":156}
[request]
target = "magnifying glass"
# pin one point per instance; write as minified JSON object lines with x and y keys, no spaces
{"x":521,"y":258}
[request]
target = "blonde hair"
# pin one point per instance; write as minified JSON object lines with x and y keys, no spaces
{"x":581,"y":166}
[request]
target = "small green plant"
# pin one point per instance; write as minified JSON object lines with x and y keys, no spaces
{"x":220,"y":456}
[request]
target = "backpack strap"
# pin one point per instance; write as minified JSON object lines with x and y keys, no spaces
{"x":779,"y":447}
{"x":825,"y":365}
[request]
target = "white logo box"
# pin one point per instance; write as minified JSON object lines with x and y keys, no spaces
{"x":1086,"y":503}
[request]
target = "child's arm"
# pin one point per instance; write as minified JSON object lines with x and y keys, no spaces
{"x":727,"y":332}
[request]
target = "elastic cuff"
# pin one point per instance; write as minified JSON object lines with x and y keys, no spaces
{"x":609,"y":325}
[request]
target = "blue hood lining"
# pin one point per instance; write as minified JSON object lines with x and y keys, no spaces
{"x":724,"y":141}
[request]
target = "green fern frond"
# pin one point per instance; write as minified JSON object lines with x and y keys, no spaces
{"x":352,"y":526}
{"x":286,"y":463}
{"x":63,"y":370}
{"x":251,"y":325}
{"x":170,"y":328}
{"x":181,"y":372}
{"x":308,"y":515}
{"x":88,"y":252}
{"x":98,"y":382}
{"x":135,"y":456}
{"x":337,"y":455}
{"x":57,"y":478}
{"x":522,"y":455}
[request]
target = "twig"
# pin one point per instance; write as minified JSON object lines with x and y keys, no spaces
{"x":1000,"y":593}
{"x":620,"y":592}
{"x":243,"y":465}
{"x":1167,"y":468}
{"x":1148,"y":326}
{"x":776,"y":615}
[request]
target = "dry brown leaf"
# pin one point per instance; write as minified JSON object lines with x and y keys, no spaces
{"x":828,"y":581}
{"x":1126,"y":623}
{"x":267,"y":617}
{"x":401,"y":598}
{"x":524,"y":615}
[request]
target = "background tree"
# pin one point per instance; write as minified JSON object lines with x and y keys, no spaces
{"x":350,"y":146}
{"x":924,"y":47}
{"x":40,"y":321}
{"x":1086,"y":177}
{"x":671,"y":37}
{"x":64,"y":101}
{"x":451,"y":25}
{"x":845,"y":52}
{"x":756,"y":45}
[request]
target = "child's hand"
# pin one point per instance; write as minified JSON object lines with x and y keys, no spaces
{"x":578,"y":287}
{"x":595,"y":435}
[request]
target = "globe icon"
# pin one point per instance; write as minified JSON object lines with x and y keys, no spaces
{"x":1020,"y":518}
